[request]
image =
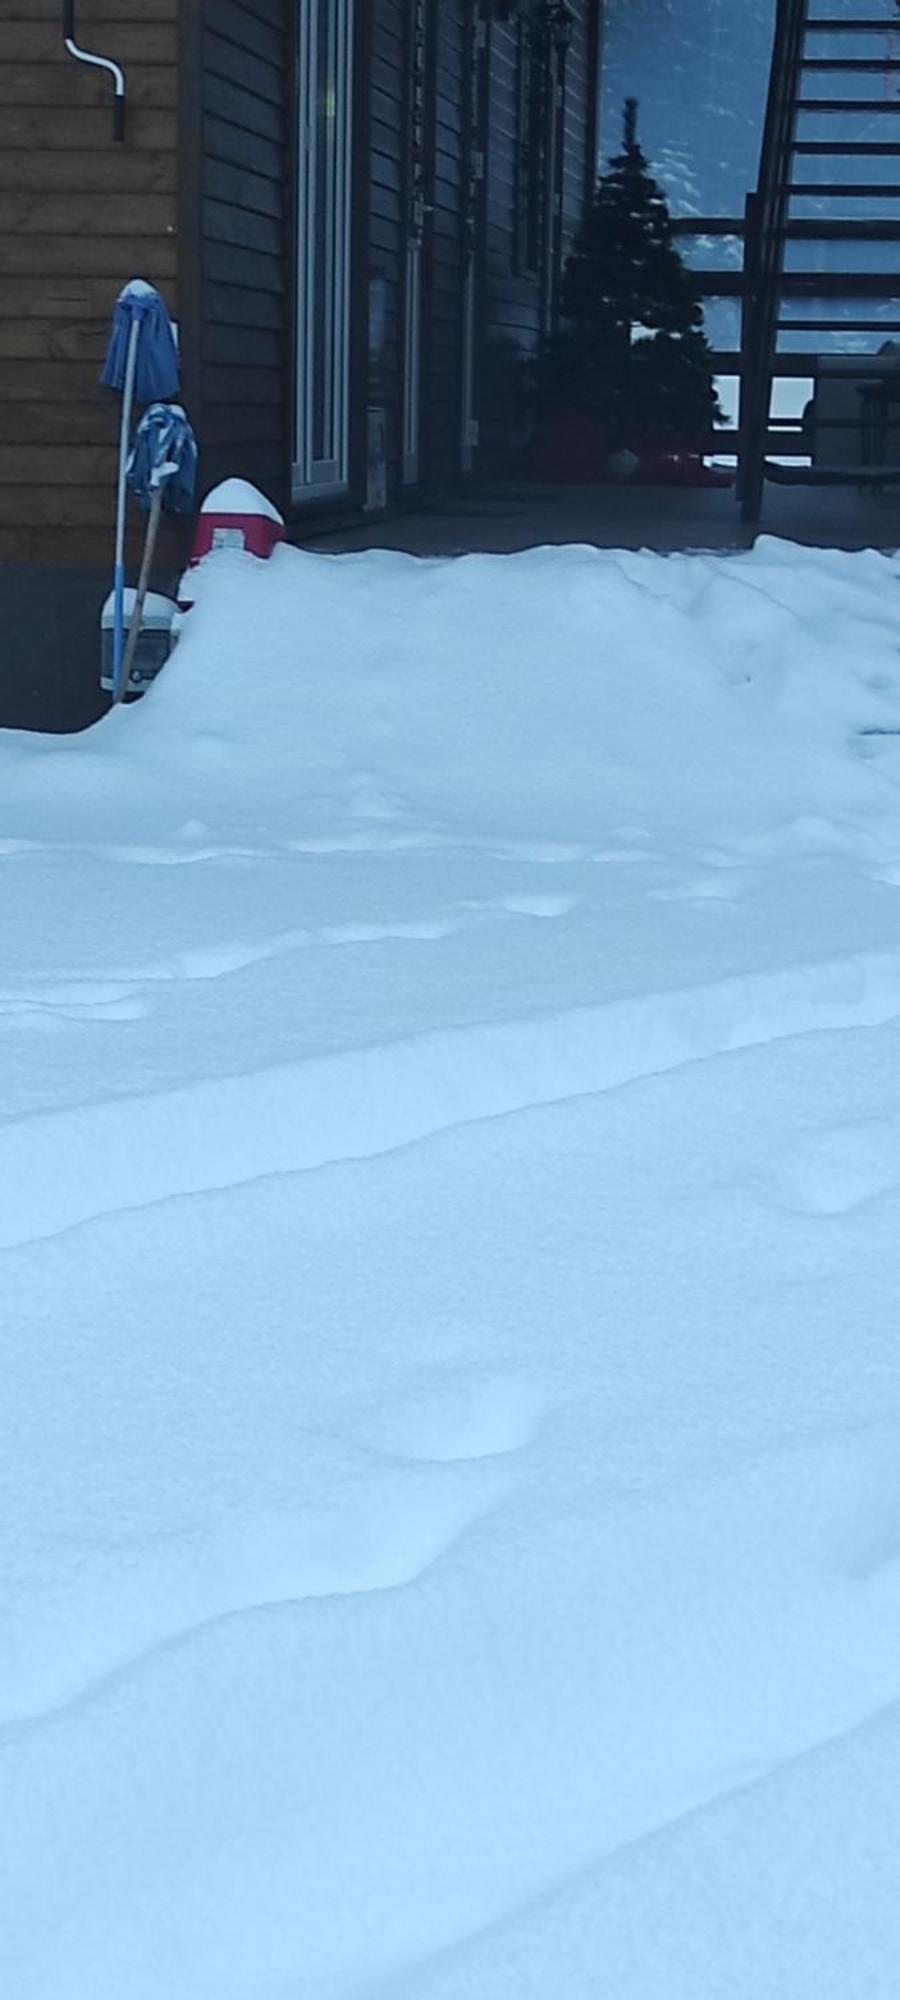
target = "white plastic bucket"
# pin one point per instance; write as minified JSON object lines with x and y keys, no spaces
{"x":154,"y":642}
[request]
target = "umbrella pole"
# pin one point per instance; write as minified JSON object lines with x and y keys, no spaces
{"x":119,"y":575}
{"x":137,"y":616}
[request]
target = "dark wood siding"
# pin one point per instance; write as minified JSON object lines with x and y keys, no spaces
{"x":512,"y":307}
{"x":442,"y":349}
{"x":580,"y":122}
{"x":79,"y":216}
{"x":511,"y":311}
{"x":509,"y":281}
{"x":519,"y":133}
{"x":448,"y":25}
{"x":390,"y":50}
{"x":243,"y":304}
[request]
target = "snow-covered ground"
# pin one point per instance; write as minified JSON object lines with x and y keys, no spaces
{"x":450,"y":1293}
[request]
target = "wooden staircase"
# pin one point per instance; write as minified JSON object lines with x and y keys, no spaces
{"x":820,"y":296}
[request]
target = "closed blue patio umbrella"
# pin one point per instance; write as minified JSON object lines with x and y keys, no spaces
{"x":142,"y":362}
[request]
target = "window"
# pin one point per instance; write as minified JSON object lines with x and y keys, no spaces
{"x":324,"y":153}
{"x":700,"y":72}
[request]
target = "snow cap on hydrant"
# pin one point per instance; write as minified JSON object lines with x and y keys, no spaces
{"x":235,"y":515}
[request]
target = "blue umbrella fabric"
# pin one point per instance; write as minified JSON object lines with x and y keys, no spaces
{"x":164,"y":457}
{"x":141,"y":362}
{"x":156,"y":371}
{"x":161,"y":473}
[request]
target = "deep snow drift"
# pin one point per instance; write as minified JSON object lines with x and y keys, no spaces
{"x":450,"y":1166}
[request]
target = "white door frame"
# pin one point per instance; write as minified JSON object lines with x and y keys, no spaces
{"x":321,"y":458}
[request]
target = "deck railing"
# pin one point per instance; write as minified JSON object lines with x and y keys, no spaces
{"x":765,"y":223}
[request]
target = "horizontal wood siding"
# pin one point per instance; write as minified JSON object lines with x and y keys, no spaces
{"x":442,"y":348}
{"x":511,"y":306}
{"x":79,"y":216}
{"x":244,"y":298}
{"x":510,"y":319}
{"x":580,"y":120}
{"x":388,"y":112}
{"x":509,"y":292}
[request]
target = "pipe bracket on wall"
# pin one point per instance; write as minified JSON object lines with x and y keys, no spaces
{"x":114,"y":69}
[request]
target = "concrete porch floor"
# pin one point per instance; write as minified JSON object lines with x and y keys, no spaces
{"x":503,"y":518}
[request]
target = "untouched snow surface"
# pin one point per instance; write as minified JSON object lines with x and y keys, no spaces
{"x":449,"y":1257}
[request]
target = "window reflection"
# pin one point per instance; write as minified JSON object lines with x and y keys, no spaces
{"x":700,"y":72}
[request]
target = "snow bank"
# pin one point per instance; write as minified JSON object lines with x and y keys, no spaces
{"x":574,"y":687}
{"x":450,"y":1168}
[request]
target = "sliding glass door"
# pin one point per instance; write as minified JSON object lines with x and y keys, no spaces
{"x":324,"y":155}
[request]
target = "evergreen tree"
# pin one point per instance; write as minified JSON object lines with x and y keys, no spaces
{"x":632,"y":353}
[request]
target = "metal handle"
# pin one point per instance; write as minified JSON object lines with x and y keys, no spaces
{"x":114,"y":69}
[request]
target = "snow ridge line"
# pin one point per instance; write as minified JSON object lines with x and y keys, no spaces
{"x":578,"y":1884}
{"x":59,"y":1170}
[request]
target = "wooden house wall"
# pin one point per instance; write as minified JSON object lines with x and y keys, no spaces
{"x":580,"y":159}
{"x":199,"y":201}
{"x":448,"y":25}
{"x":79,"y":216}
{"x":240,"y":270}
{"x":511,"y":309}
{"x":442,"y":345}
{"x":389,"y":56}
{"x":511,"y":305}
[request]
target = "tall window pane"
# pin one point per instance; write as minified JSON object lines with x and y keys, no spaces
{"x":323,"y":212}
